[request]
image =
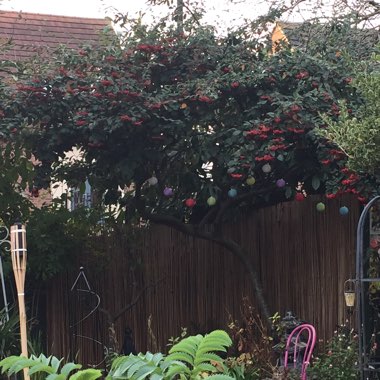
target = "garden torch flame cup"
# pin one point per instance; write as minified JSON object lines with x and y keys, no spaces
{"x":19,"y":257}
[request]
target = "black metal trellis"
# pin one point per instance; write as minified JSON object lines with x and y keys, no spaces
{"x":368,"y":368}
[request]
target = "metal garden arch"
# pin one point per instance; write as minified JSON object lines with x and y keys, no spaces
{"x":368,"y":368}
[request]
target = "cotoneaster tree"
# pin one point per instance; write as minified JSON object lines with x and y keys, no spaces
{"x":186,"y":129}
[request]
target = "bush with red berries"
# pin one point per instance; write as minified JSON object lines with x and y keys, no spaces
{"x":200,"y":113}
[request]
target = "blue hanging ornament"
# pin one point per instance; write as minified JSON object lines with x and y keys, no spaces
{"x":232,"y":193}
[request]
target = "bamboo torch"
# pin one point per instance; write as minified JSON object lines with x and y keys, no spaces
{"x":19,"y":256}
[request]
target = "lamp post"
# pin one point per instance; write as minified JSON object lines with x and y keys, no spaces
{"x":19,"y":256}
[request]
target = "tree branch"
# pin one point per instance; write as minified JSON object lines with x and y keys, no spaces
{"x":111,"y":319}
{"x":134,"y":302}
{"x":230,"y":245}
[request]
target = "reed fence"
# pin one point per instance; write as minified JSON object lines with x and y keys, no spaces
{"x":303,"y":258}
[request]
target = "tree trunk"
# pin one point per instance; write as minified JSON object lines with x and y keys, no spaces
{"x":179,"y":16}
{"x":242,"y":255}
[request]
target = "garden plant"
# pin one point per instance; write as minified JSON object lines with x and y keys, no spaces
{"x":186,"y":129}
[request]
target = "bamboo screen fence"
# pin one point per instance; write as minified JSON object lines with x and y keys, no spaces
{"x":303,"y":257}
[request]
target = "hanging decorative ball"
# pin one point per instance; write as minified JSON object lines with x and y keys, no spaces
{"x":299,"y":197}
{"x":168,"y":191}
{"x":232,"y":193}
{"x":211,"y":201}
{"x":190,"y":202}
{"x":320,"y":207}
{"x":280,"y":182}
{"x":250,"y":181}
{"x":344,"y":210}
{"x":266,"y":168}
{"x":153,"y":181}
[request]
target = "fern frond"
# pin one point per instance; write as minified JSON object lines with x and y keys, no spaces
{"x":177,"y":369}
{"x":208,"y":356}
{"x":181,"y":356}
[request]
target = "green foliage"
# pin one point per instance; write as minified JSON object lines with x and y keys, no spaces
{"x":141,"y":366}
{"x":49,"y":366}
{"x":198,"y":352}
{"x":16,"y":169}
{"x":9,"y":333}
{"x":16,"y":172}
{"x":358,"y":134}
{"x":175,"y":339}
{"x":242,"y":368}
{"x":191,"y":358}
{"x":201,"y":113}
{"x":338,"y":362}
{"x":253,"y":343}
{"x":57,"y":237}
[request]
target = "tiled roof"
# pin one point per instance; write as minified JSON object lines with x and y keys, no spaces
{"x":28,"y":32}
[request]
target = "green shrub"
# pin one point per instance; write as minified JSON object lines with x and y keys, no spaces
{"x":192,"y":358}
{"x":338,"y":362}
{"x":9,"y":333}
{"x":48,"y":366}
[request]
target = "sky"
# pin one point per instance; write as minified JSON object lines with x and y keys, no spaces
{"x":102,"y":8}
{"x":218,"y":12}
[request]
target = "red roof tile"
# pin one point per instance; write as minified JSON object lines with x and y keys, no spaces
{"x":30,"y":31}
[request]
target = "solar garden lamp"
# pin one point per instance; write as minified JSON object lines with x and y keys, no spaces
{"x":19,"y":257}
{"x":349,"y":293}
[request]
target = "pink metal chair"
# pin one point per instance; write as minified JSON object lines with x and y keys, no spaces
{"x":294,"y":341}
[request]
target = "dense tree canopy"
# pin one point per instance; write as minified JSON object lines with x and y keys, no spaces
{"x":183,"y":129}
{"x":200,"y":114}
